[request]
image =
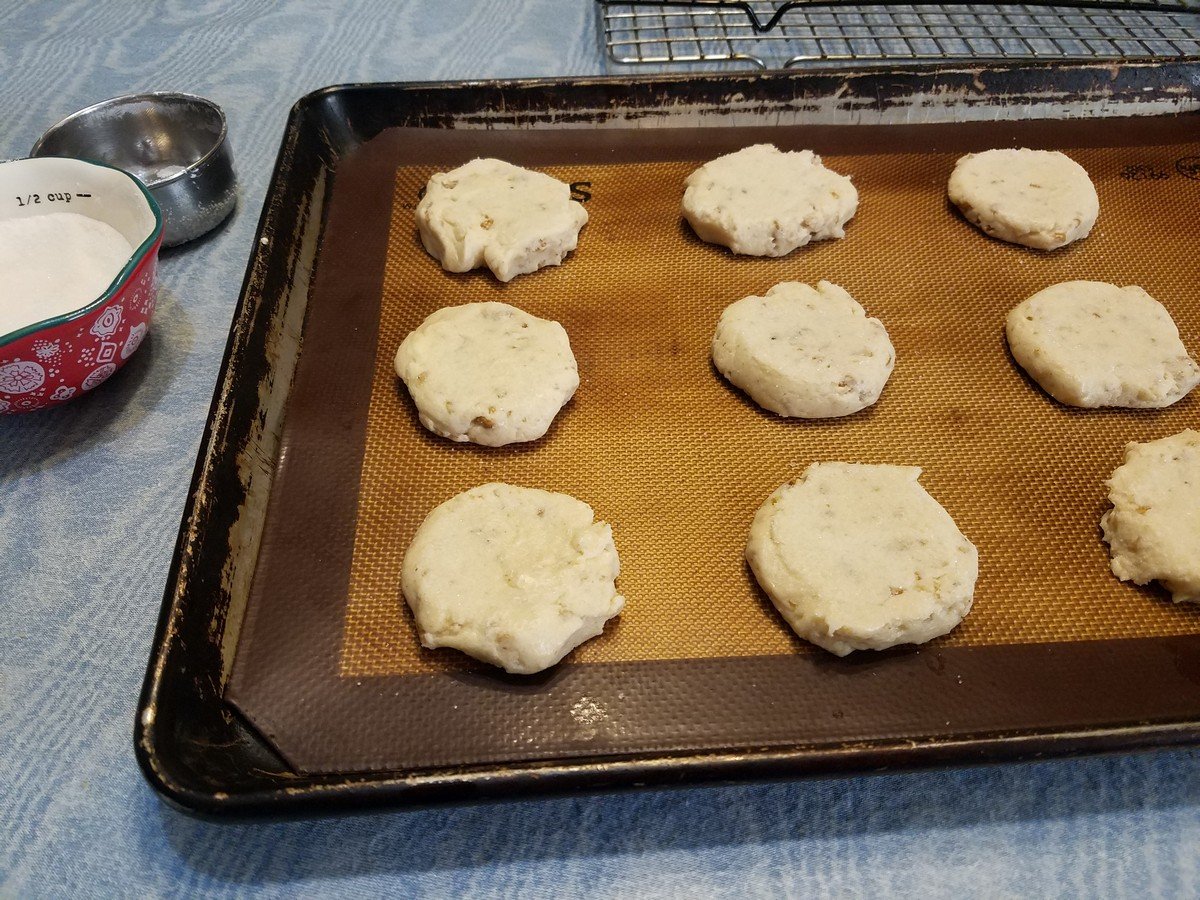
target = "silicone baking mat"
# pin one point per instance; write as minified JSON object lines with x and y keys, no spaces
{"x":678,"y":461}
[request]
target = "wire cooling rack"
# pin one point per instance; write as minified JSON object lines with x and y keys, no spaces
{"x":815,"y":33}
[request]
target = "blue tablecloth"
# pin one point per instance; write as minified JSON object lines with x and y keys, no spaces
{"x":90,"y":499}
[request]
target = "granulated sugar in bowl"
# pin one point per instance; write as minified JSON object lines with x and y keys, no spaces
{"x":79,"y":248}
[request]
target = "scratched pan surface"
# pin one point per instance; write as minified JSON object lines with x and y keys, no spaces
{"x":310,"y":668}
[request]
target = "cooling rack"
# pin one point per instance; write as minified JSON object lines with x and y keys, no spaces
{"x":660,"y":34}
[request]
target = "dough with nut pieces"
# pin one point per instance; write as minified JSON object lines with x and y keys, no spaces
{"x":492,"y":213}
{"x":861,"y":557}
{"x":513,"y":576}
{"x":487,"y":373}
{"x":804,"y":351}
{"x":761,"y":201}
{"x":1037,"y":198}
{"x":1153,"y":528}
{"x":1092,"y":344}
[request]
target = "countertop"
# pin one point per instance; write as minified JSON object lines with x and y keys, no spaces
{"x":91,"y":495}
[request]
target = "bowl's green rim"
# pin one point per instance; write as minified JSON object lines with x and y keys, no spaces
{"x":139,"y":255}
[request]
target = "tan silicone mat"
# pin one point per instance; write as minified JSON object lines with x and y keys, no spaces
{"x":678,"y":461}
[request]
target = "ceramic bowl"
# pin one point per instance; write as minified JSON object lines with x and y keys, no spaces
{"x":56,"y":359}
{"x":177,"y":144}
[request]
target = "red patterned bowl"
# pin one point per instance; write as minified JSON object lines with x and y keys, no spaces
{"x":48,"y":362}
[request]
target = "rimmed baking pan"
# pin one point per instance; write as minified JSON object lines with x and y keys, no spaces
{"x":286,"y":674}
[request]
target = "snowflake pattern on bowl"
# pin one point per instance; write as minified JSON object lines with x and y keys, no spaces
{"x":46,"y":350}
{"x":62,"y":392}
{"x":21,"y":377}
{"x":98,"y":376}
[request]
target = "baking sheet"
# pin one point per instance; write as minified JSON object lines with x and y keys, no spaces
{"x":328,"y":666}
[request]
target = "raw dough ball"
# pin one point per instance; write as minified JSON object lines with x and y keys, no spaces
{"x":492,"y":213}
{"x":1038,"y":198}
{"x":860,"y":557}
{"x":1153,"y":529}
{"x":512,"y":576}
{"x":801,"y":351}
{"x":487,"y":373}
{"x":760,"y":201}
{"x":1092,"y":344}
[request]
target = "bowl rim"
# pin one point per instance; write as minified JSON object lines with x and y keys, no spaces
{"x":156,"y":96}
{"x":135,"y":261}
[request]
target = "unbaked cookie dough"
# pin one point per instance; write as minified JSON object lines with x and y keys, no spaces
{"x":487,"y":373}
{"x":492,"y":213}
{"x":512,"y":576}
{"x":761,"y":201}
{"x":1093,"y":344}
{"x":1038,"y":198}
{"x":1153,"y":528}
{"x":860,"y":557}
{"x":803,"y":351}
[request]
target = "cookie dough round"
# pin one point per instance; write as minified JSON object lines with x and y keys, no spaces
{"x":512,"y":576}
{"x":487,"y":373}
{"x":860,"y":557}
{"x":492,"y":213}
{"x":1038,"y":198}
{"x":761,"y":201}
{"x":1093,"y":344}
{"x":803,"y":351}
{"x":1153,"y":529}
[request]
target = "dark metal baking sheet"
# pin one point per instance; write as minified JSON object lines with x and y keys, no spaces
{"x":192,"y":745}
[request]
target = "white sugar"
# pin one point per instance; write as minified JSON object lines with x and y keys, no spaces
{"x":167,"y":172}
{"x":54,"y":264}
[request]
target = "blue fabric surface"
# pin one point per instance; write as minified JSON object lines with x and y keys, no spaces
{"x":90,"y":499}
